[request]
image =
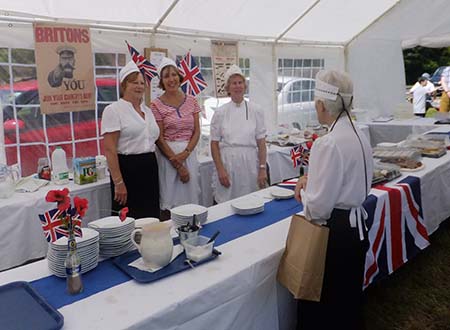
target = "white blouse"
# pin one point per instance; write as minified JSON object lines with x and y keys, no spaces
{"x":137,"y":135}
{"x":232,"y":126}
{"x":336,"y":172}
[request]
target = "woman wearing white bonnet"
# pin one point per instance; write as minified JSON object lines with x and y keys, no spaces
{"x":238,"y":145}
{"x":338,"y":182}
{"x":177,"y":115}
{"x":130,"y":132}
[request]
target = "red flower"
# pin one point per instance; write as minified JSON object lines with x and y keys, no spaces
{"x":123,"y":213}
{"x":81,"y":205}
{"x":309,"y":144}
{"x":314,"y":137}
{"x":59,"y":196}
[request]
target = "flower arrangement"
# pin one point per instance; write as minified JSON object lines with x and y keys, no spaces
{"x":64,"y":220}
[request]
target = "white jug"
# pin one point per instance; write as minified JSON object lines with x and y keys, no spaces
{"x":156,"y":244}
{"x":8,"y":178}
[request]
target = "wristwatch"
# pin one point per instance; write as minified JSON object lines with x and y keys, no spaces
{"x":262,"y":166}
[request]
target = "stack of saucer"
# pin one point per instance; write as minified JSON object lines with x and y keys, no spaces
{"x":247,"y":206}
{"x":115,"y":235}
{"x":87,"y":248}
{"x":183,"y":214}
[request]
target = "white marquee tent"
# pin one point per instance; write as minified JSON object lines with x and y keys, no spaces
{"x":362,"y":37}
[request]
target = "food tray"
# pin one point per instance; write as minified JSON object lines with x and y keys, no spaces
{"x":24,"y":308}
{"x":176,"y":266}
{"x":383,"y":172}
{"x":427,"y":146}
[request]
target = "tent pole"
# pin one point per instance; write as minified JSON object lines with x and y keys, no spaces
{"x":275,"y":85}
{"x":282,"y":34}
{"x":163,"y":17}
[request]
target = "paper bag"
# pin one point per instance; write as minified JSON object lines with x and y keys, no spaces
{"x":302,"y":265}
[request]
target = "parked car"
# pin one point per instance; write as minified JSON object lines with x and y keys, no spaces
{"x":30,"y":124}
{"x":436,"y":76}
{"x":295,"y":103}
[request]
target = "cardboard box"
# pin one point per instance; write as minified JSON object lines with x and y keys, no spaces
{"x":84,"y":170}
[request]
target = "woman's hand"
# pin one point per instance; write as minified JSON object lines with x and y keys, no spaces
{"x":120,"y":193}
{"x":223,"y":178}
{"x":262,"y":178}
{"x":178,"y":159}
{"x":183,"y":173}
{"x":301,"y":184}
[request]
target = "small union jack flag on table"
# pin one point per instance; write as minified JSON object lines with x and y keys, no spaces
{"x":55,"y":227}
{"x":396,"y":227}
{"x":147,"y":69}
{"x":300,"y":156}
{"x":193,"y":82}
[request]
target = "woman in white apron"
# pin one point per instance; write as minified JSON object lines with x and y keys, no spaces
{"x":339,"y":179}
{"x":177,"y":115}
{"x":238,"y":145}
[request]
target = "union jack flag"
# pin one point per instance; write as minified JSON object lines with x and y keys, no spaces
{"x":148,"y":70}
{"x":300,"y":156}
{"x":55,"y":227}
{"x":291,"y":183}
{"x":193,"y":82}
{"x":397,"y":231}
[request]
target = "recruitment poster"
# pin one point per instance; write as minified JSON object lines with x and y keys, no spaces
{"x":65,"y":70}
{"x":225,"y":54}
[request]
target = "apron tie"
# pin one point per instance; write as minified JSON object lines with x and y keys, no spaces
{"x":358,"y":217}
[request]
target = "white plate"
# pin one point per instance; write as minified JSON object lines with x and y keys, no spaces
{"x":281,"y":193}
{"x":244,"y":204}
{"x":110,"y":222}
{"x":188,"y":210}
{"x":88,"y":234}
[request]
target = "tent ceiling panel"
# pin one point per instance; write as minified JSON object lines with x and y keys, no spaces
{"x":338,"y":21}
{"x":260,"y":18}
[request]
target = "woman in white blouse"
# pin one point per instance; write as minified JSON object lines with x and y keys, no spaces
{"x":339,"y":179}
{"x":130,"y":131}
{"x":238,"y":145}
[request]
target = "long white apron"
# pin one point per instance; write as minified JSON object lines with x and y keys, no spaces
{"x":238,"y":150}
{"x":173,"y":192}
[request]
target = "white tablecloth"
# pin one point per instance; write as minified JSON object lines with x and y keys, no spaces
{"x":398,"y":130}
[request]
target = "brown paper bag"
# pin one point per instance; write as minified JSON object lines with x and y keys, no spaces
{"x":302,"y":265}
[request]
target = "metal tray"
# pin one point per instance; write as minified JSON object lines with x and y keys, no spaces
{"x":176,"y":266}
{"x":23,"y":308}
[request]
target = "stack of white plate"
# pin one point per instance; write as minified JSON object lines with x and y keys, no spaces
{"x":248,"y":205}
{"x":115,"y":235}
{"x":183,"y":214}
{"x":281,"y":193}
{"x":87,"y":248}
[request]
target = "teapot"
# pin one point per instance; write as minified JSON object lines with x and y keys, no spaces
{"x":156,"y":244}
{"x":8,"y":178}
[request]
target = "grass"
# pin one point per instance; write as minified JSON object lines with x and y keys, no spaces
{"x":416,"y":296}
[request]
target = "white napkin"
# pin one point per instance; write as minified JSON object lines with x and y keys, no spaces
{"x":30,"y":184}
{"x":139,"y":263}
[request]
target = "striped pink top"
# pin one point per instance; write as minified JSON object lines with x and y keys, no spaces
{"x":178,"y":123}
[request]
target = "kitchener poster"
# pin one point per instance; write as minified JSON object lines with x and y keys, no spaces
{"x":65,"y":70}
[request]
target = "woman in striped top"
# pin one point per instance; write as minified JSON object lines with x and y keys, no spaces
{"x":177,"y":115}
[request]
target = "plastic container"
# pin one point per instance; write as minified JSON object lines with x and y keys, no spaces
{"x":60,"y":172}
{"x":197,"y":248}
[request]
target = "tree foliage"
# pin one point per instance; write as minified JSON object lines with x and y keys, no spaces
{"x":421,"y":59}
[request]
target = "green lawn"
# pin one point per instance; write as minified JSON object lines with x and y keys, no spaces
{"x":417,"y":296}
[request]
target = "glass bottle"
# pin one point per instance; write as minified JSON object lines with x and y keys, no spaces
{"x":73,"y":267}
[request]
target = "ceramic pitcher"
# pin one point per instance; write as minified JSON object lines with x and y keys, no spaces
{"x":156,"y":244}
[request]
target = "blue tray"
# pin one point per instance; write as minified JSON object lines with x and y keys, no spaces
{"x":23,"y":308}
{"x":176,"y":266}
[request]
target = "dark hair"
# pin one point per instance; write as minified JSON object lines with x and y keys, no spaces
{"x":422,"y":79}
{"x":161,"y":85}
{"x":130,"y":78}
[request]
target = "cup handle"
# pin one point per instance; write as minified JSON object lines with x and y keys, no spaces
{"x":139,"y":230}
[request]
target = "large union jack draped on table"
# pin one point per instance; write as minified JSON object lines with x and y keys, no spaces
{"x":396,"y":227}
{"x":193,"y":82}
{"x":55,"y":227}
{"x":147,"y":69}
